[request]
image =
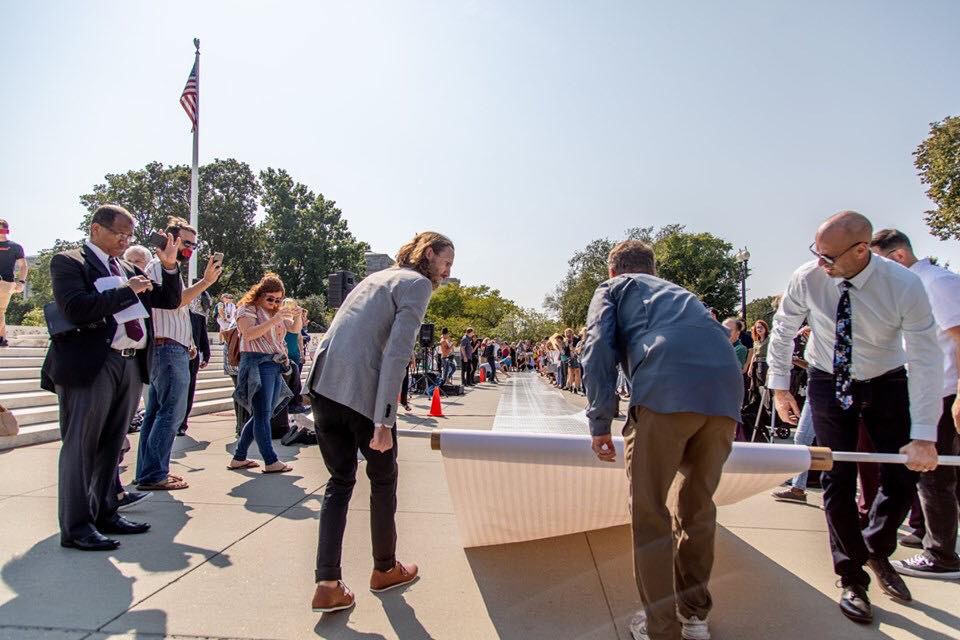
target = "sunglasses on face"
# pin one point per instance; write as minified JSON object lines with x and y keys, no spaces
{"x":831,"y":260}
{"x":273,"y":300}
{"x":188,"y":244}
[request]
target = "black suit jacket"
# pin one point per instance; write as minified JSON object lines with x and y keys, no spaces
{"x":75,"y":358}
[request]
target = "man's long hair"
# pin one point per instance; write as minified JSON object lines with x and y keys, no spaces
{"x":413,"y":255}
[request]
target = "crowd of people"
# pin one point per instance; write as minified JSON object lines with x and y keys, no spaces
{"x":849,"y":326}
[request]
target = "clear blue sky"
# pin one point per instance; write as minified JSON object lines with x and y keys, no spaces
{"x":523,"y":130}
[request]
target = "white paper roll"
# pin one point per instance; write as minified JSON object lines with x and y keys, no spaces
{"x":511,"y":487}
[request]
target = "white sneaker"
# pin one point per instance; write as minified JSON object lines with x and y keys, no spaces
{"x":638,"y":626}
{"x":693,"y":628}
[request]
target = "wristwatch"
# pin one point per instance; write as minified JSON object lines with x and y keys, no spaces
{"x":21,"y":282}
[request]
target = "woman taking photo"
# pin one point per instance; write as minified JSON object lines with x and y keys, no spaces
{"x":263,"y":363}
{"x":757,"y":367}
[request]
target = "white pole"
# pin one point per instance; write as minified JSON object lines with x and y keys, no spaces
{"x":887,"y":458}
{"x":194,"y":172}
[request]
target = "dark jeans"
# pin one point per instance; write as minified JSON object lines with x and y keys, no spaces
{"x":258,"y":426}
{"x":341,"y":432}
{"x":883,"y":405}
{"x":466,"y":372}
{"x":938,"y":496}
{"x":493,"y":369}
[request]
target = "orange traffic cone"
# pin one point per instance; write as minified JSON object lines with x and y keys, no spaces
{"x":436,"y":409}
{"x":483,"y":374}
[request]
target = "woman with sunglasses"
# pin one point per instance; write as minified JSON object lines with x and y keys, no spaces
{"x":262,"y":323}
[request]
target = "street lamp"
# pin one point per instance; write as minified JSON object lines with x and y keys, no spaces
{"x":742,"y":257}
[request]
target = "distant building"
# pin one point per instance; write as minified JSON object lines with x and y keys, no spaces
{"x":376,"y":262}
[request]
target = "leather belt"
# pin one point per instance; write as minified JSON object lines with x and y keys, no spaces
{"x":127,"y":353}
{"x":162,"y":341}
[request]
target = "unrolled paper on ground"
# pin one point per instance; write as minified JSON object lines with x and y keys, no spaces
{"x":510,"y":487}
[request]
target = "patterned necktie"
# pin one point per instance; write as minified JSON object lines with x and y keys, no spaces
{"x":132,"y":327}
{"x":843,"y":349}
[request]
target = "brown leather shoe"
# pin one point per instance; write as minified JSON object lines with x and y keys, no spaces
{"x":400,"y":575}
{"x":327,"y":599}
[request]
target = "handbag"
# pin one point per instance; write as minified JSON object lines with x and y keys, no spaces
{"x":8,"y":423}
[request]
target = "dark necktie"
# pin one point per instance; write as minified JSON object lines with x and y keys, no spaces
{"x":132,"y":327}
{"x":843,"y":349}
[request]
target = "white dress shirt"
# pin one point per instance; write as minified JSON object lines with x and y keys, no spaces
{"x":943,"y":290}
{"x":889,"y":310}
{"x":120,"y":338}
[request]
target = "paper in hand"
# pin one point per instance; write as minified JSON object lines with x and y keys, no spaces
{"x":133,"y":312}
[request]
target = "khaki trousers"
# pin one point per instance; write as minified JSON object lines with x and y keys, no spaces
{"x":6,"y":292}
{"x":673,"y":554}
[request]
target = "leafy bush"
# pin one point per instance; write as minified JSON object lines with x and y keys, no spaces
{"x":33,"y":318}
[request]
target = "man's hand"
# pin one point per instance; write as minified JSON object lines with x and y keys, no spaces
{"x":787,"y":407}
{"x":212,"y":272}
{"x":139,"y":284}
{"x":603,"y":447}
{"x":168,"y":255}
{"x":382,"y":439}
{"x":921,"y":455}
{"x":204,"y":363}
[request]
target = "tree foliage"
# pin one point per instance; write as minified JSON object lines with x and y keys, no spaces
{"x":938,"y":161}
{"x":297,"y":219}
{"x":480,"y":307}
{"x":761,"y":309}
{"x":700,"y":262}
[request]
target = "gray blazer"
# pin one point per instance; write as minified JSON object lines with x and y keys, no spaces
{"x":362,"y":358}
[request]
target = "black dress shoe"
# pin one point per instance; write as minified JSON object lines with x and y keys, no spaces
{"x":855,"y":604}
{"x":121,"y":525}
{"x":889,"y":580}
{"x":93,"y":542}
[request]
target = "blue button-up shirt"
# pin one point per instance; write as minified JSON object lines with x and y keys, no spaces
{"x":676,"y":356}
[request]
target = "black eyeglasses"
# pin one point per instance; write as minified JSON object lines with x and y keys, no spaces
{"x":188,"y":244}
{"x":831,"y":260}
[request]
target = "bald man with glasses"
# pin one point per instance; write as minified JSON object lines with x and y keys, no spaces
{"x":870,"y":317}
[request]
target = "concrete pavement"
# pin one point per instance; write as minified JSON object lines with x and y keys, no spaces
{"x":232,"y":557}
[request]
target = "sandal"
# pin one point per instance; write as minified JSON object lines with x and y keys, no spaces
{"x":167,"y":485}
{"x":246,"y":464}
{"x":282,"y":469}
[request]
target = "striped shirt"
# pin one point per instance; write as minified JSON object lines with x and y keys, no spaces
{"x":270,"y":342}
{"x":170,"y":323}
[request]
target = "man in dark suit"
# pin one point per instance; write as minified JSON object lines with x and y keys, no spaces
{"x":98,"y":370}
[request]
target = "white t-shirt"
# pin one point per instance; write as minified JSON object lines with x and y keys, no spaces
{"x":943,"y":289}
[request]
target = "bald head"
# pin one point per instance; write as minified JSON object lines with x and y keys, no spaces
{"x":846,"y":225}
{"x":845,"y":238}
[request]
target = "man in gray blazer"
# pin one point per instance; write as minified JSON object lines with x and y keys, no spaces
{"x":356,"y":377}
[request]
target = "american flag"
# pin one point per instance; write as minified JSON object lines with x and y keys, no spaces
{"x":190,"y":98}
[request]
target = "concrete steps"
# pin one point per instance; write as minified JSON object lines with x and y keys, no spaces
{"x":37,"y":411}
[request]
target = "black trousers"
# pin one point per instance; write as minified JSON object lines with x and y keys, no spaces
{"x":938,"y":496}
{"x":191,"y":391}
{"x":238,"y":410}
{"x":295,"y":384}
{"x":93,"y":422}
{"x":341,"y":433}
{"x":466,"y":372}
{"x":884,"y":406}
{"x":493,"y":369}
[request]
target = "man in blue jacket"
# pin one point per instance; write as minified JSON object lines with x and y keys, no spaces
{"x":685,"y":397}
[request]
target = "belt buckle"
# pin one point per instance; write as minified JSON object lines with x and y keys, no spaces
{"x":129,"y":352}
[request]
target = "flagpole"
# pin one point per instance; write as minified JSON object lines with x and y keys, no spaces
{"x":194,"y":171}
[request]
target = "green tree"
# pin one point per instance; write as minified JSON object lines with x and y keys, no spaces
{"x":699,"y":262}
{"x":457,"y":307}
{"x":150,"y":194}
{"x":938,"y":161}
{"x":761,"y":309}
{"x":227,"y":202}
{"x":41,"y":287}
{"x":307,"y":235}
{"x":525,"y":324}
